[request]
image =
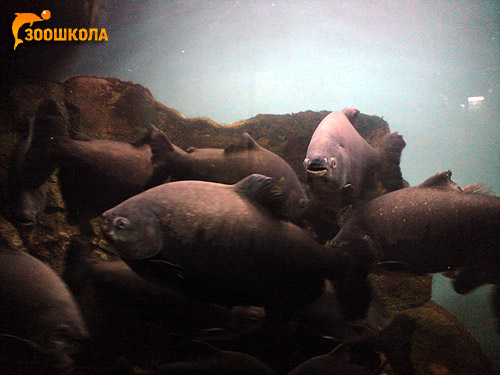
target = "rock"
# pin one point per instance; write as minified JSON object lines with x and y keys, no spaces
{"x":400,"y":291}
{"x":441,"y":343}
{"x":106,"y":108}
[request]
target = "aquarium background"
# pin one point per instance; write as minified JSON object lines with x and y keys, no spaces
{"x":414,"y":63}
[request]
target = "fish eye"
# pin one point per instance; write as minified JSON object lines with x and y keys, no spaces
{"x":333,"y":162}
{"x":121,"y":222}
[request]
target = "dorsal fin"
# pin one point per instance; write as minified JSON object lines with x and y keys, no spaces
{"x":350,"y":113}
{"x":265,"y":191}
{"x":440,"y":180}
{"x":248,"y":143}
{"x":158,"y":141}
{"x":160,"y":146}
{"x":251,"y":143}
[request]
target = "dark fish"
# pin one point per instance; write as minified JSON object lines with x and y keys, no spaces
{"x":226,"y":244}
{"x":196,"y":358}
{"x":124,"y":312}
{"x":325,"y":317}
{"x":336,"y":362}
{"x":339,"y":162}
{"x":36,"y":307}
{"x":98,"y":174}
{"x":238,"y":161}
{"x":94,"y":175}
{"x":430,"y":228}
{"x":113,"y":171}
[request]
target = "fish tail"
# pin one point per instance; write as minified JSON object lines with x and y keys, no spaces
{"x":390,"y":148}
{"x":39,"y":159}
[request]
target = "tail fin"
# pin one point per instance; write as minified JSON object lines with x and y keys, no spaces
{"x":39,"y":159}
{"x":390,"y":148}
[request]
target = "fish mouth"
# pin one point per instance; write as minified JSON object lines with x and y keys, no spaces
{"x":317,"y":167}
{"x":319,"y":172}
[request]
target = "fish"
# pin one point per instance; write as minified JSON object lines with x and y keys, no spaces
{"x":37,"y":308}
{"x":237,"y":161}
{"x":24,"y":18}
{"x":114,"y":171}
{"x":341,"y":165}
{"x":108,"y":289}
{"x":94,"y":175}
{"x":430,"y":228}
{"x":227,"y":244}
{"x":434,"y":227}
{"x":325,"y":317}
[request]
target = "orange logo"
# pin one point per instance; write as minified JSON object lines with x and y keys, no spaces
{"x":23,"y":18}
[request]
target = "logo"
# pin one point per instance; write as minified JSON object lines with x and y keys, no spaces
{"x":22,"y":18}
{"x":58,"y":35}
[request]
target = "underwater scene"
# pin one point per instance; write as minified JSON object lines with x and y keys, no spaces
{"x":250,"y":187}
